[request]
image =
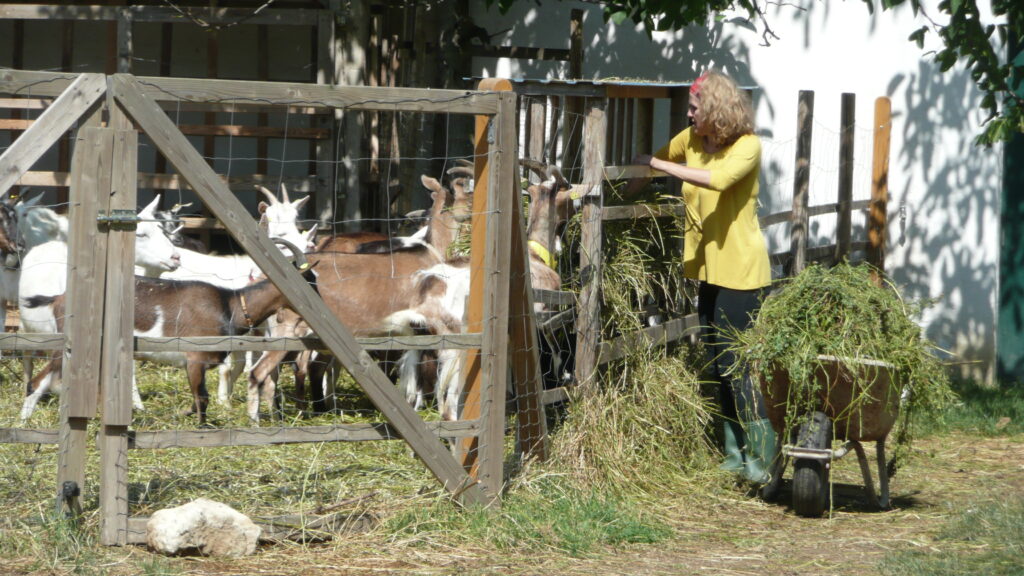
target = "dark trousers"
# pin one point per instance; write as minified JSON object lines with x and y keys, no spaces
{"x":719,"y":310}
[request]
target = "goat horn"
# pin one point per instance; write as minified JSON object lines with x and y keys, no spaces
{"x":300,"y":257}
{"x":461,"y":171}
{"x":545,"y":171}
{"x":284,"y":194}
{"x":270,"y":195}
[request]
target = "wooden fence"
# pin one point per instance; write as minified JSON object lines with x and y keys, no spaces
{"x":616,"y":121}
{"x":104,"y":178}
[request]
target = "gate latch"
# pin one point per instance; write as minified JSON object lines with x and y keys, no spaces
{"x":119,"y":219}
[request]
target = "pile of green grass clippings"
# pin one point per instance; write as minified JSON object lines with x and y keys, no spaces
{"x":841,"y":312}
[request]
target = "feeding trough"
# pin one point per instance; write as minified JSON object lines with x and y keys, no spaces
{"x":855,"y":402}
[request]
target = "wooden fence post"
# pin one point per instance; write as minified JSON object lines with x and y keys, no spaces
{"x":801,"y":181}
{"x":118,"y":329}
{"x":877,"y":217}
{"x":845,"y":199}
{"x":89,"y":194}
{"x":588,"y":321}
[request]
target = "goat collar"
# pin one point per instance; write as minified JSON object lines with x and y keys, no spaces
{"x":245,"y":311}
{"x":543,"y":253}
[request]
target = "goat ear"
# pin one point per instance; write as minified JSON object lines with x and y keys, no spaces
{"x":31,"y":201}
{"x":262,"y":207}
{"x":430,"y":183}
{"x":148,"y":210}
{"x":311,"y":236}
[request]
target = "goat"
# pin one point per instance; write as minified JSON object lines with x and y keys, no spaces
{"x":171,"y":224}
{"x":446,"y":216}
{"x":439,"y":305}
{"x":172,"y":308}
{"x":44,"y":272}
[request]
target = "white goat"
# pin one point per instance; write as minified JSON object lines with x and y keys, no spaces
{"x":44,"y":275}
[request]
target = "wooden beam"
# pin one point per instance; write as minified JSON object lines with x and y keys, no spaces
{"x":802,"y":180}
{"x":226,"y":207}
{"x":659,"y":335}
{"x":272,"y":436}
{"x":812,"y":211}
{"x":49,"y":127}
{"x":641,"y":211}
{"x":29,"y":436}
{"x":319,"y":97}
{"x":878,"y":217}
{"x":844,"y":222}
{"x":158,"y":14}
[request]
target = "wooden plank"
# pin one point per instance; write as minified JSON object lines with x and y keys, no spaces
{"x":90,"y":193}
{"x":877,"y":217}
{"x":119,"y":319}
{"x":641,"y":211}
{"x":113,"y":488}
{"x":844,"y":223}
{"x":659,"y":335}
{"x":31,"y":342}
{"x":537,"y":122}
{"x":38,"y":84}
{"x":263,"y":343}
{"x":636,"y":91}
{"x":588,"y":324}
{"x":271,"y":436}
{"x":49,"y":127}
{"x":320,"y":97}
{"x":802,"y":180}
{"x":25,"y":103}
{"x":644,"y":141}
{"x":478,"y":368}
{"x":519,"y":52}
{"x":503,"y":192}
{"x":158,"y":14}
{"x":29,"y":436}
{"x":819,"y":210}
{"x":631,"y":171}
{"x":554,"y":298}
{"x":226,"y":207}
{"x":299,"y":184}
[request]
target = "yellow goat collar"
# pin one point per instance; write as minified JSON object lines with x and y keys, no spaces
{"x":543,"y":253}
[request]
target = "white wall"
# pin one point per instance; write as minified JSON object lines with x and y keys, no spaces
{"x":947,"y":190}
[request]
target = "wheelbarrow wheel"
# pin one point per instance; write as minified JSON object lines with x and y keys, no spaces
{"x":810,"y":477}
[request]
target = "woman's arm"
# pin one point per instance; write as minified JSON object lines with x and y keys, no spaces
{"x":697,"y":176}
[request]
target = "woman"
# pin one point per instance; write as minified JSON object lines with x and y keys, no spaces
{"x":724,"y":250}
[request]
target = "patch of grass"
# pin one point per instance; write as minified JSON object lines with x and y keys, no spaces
{"x":983,"y":410}
{"x":550,"y":514}
{"x":984,"y":539}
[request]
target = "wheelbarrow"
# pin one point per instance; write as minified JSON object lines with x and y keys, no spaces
{"x":856,"y":403}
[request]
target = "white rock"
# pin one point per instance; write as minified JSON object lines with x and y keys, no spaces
{"x":213,"y":528}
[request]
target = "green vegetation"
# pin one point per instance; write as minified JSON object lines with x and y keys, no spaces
{"x":840,"y":312}
{"x":986,"y":538}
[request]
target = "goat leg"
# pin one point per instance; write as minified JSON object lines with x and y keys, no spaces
{"x":260,"y":380}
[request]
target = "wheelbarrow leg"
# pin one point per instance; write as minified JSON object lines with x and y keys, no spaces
{"x":883,"y":475}
{"x":865,"y":470}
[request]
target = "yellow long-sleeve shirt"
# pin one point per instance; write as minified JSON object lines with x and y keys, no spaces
{"x":723,"y":243}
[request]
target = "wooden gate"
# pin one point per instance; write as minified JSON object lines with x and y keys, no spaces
{"x":100,"y":282}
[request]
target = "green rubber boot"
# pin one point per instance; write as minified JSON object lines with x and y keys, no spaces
{"x":732,"y":446}
{"x":760,"y":451}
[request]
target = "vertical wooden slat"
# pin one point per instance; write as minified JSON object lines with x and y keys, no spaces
{"x":327,"y":73}
{"x":83,"y":316}
{"x":573,"y":127}
{"x":557,"y":115}
{"x":66,"y":65}
{"x":617,"y":151}
{"x":536,"y":123}
{"x":473,"y":373}
{"x":679,"y":100}
{"x":644,"y":127}
{"x":801,"y":181}
{"x":845,"y":215}
{"x":877,"y":217}
{"x":125,"y":41}
{"x":116,"y":368}
{"x":495,"y":344}
{"x":588,"y":320}
{"x":351,"y":72}
{"x":627,"y":151}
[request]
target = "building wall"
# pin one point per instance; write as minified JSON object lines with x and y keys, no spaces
{"x":944,"y":208}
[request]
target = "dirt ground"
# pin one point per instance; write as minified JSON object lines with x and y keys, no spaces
{"x":725,"y":534}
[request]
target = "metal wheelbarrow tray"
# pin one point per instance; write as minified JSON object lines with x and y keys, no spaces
{"x":856,"y":403}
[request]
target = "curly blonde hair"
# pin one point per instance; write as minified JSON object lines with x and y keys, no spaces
{"x":725,"y":109}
